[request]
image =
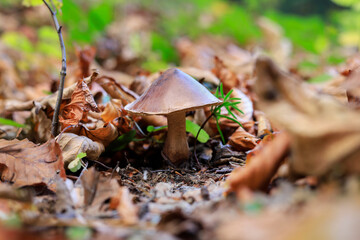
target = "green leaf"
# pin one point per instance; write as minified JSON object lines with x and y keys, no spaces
{"x":17,"y":41}
{"x":75,"y":165}
{"x":219,"y":130}
{"x":232,"y":119}
{"x":151,"y":128}
{"x":78,"y":233}
{"x":32,"y":3}
{"x":228,"y":95}
{"x":221,"y":90}
{"x":81,"y":155}
{"x":4,"y":121}
{"x":320,"y":78}
{"x":122,"y":141}
{"x":193,"y":128}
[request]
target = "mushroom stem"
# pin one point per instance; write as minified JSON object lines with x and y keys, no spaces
{"x":176,"y":147}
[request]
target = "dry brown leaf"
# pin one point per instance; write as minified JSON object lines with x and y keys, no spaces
{"x":105,"y":134}
{"x":323,"y":131}
{"x":81,"y":102}
{"x":112,"y":110}
{"x":257,"y":174}
{"x":263,"y":123}
{"x":72,"y":144}
{"x":86,"y":57}
{"x":124,"y":205}
{"x":25,"y":163}
{"x":42,"y":125}
{"x":245,"y":105}
{"x":98,"y":190}
{"x":227,"y":77}
{"x":241,"y":140}
{"x":116,"y":90}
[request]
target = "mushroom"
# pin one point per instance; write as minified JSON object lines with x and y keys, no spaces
{"x":172,"y":95}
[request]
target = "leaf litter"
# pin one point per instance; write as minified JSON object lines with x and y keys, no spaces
{"x":292,"y":164}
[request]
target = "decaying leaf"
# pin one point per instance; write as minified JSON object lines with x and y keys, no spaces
{"x":242,"y":140}
{"x":98,"y":190}
{"x":122,"y":202}
{"x":112,"y":110}
{"x":227,"y":77}
{"x":81,"y":102}
{"x":72,"y":144}
{"x":257,"y":174}
{"x":323,"y":131}
{"x":262,"y":123}
{"x":116,"y":90}
{"x":245,"y":105}
{"x":104,"y":134}
{"x":24,"y":163}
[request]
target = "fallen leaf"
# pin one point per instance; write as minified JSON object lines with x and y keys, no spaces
{"x":124,"y":205}
{"x":116,"y":90}
{"x":112,"y":110}
{"x":86,"y":57}
{"x":263,"y":123}
{"x":257,"y":174}
{"x":245,"y":105}
{"x":227,"y":77}
{"x":242,"y":140}
{"x":24,"y":163}
{"x":81,"y":102}
{"x":72,"y":144}
{"x":323,"y":131}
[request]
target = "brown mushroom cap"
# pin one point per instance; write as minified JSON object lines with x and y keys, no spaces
{"x":173,"y":91}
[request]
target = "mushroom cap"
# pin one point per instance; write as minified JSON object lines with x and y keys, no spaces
{"x":173,"y":91}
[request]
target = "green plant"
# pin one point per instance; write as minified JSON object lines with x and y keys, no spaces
{"x":227,"y":103}
{"x":77,"y":163}
{"x":4,"y":121}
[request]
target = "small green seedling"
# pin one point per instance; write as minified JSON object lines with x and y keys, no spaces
{"x":77,"y":163}
{"x":227,"y":103}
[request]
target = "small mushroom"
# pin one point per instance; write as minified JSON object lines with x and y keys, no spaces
{"x":173,"y":94}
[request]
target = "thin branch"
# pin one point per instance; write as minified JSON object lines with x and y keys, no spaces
{"x":55,"y":120}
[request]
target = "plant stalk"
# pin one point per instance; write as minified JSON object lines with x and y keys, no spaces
{"x":55,"y":120}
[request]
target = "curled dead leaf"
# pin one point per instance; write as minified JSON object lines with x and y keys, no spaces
{"x":72,"y":144}
{"x":242,"y":140}
{"x":257,"y":174}
{"x":112,"y":110}
{"x":24,"y":163}
{"x":81,"y":102}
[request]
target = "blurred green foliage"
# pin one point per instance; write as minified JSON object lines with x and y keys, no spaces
{"x":314,"y":27}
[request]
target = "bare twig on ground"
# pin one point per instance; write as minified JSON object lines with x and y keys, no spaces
{"x":55,"y":120}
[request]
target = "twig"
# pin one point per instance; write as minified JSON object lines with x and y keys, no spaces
{"x":55,"y":120}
